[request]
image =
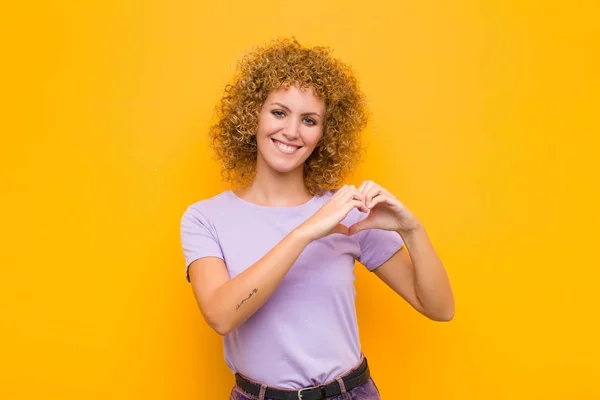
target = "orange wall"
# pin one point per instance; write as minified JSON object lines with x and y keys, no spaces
{"x":485,"y":125}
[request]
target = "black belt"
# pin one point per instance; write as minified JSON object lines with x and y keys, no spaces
{"x":351,"y":380}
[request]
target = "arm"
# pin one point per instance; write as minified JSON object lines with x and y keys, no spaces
{"x":417,"y":274}
{"x":225,"y":303}
{"x":420,"y":278}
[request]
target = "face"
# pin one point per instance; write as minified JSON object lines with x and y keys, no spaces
{"x":290,"y":125}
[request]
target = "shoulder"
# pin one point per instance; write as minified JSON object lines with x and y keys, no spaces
{"x":209,"y":206}
{"x":216,"y":201}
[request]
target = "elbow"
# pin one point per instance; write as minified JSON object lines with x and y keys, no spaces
{"x":442,"y":311}
{"x":218,"y":323}
{"x":221,"y":327}
{"x":443,"y":317}
{"x":440,"y":314}
{"x":222,"y":330}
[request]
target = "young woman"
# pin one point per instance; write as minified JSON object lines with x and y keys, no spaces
{"x":271,"y":262}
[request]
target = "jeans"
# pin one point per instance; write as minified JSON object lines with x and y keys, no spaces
{"x":366,"y":391}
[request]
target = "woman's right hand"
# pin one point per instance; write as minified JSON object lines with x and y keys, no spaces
{"x":326,"y":220}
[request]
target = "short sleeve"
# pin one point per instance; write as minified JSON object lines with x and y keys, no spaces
{"x":377,"y":246}
{"x":198,"y":238}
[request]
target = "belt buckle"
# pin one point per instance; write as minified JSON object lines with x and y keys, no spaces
{"x":300,"y":392}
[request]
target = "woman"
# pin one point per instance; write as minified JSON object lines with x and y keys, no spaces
{"x":271,"y":263}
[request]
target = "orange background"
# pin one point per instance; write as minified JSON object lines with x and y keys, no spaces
{"x":485,"y":125}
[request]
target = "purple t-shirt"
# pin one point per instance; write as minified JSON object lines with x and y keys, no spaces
{"x":306,"y":333}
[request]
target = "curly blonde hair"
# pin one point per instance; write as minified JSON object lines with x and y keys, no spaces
{"x":281,"y":64}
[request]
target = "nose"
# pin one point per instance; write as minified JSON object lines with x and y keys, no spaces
{"x":292,"y":130}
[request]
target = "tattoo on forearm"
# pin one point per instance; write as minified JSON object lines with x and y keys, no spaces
{"x":250,"y":295}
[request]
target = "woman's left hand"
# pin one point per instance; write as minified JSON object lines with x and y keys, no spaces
{"x":386,"y":211}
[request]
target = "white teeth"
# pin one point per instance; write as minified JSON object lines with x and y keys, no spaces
{"x":285,"y":147}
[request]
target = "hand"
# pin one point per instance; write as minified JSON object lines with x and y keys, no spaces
{"x":386,"y":211}
{"x":326,"y":220}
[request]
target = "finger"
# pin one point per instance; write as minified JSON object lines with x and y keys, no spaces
{"x":349,"y":192}
{"x":385,"y":191}
{"x":357,"y":195}
{"x":366,"y":186}
{"x":360,"y":205}
{"x":381,"y":198}
{"x":374,"y":191}
{"x":340,"y":191}
{"x":362,"y":186}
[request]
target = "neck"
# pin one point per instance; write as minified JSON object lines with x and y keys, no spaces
{"x":271,"y":188}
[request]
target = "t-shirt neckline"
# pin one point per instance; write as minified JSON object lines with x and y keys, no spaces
{"x":273,"y":208}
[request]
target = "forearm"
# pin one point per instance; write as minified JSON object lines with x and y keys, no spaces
{"x":432,"y":285}
{"x":238,"y":299}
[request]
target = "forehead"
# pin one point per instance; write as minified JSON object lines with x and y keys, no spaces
{"x":295,"y":97}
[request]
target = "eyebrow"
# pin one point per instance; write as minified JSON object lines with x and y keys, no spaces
{"x":308,"y":113}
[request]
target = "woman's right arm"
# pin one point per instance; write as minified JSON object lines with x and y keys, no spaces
{"x":226,"y":303}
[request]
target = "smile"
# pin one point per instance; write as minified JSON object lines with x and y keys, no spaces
{"x":285,"y":148}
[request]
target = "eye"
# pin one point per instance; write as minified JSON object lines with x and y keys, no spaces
{"x":311,"y":121}
{"x":278,"y":113}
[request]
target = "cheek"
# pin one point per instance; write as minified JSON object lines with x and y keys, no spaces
{"x":264,"y":123}
{"x":314,"y":138}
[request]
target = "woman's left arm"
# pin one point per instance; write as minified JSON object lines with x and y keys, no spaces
{"x":417,"y":275}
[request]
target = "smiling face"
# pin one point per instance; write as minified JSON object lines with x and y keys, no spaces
{"x":290,"y":125}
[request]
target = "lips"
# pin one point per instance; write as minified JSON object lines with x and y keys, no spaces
{"x":285,"y":147}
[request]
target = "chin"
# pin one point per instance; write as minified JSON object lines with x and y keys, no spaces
{"x":284,"y":169}
{"x":281,"y":166}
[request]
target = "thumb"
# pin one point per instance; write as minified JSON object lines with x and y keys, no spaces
{"x":365,"y":224}
{"x":340,"y":228}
